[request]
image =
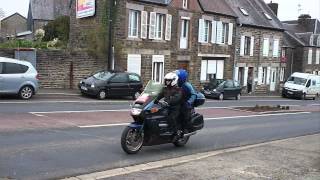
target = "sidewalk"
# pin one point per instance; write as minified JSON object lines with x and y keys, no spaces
{"x":295,"y":158}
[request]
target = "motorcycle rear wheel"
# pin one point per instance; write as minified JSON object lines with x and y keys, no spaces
{"x":131,"y":140}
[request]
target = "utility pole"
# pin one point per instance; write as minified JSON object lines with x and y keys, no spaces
{"x":110,"y":49}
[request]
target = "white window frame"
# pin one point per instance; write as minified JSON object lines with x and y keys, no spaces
{"x":214,"y":67}
{"x":276,"y":45}
{"x":318,"y":57}
{"x":159,"y":26}
{"x":131,"y":29}
{"x":310,"y":56}
{"x":184,"y":35}
{"x":206,"y":31}
{"x":157,"y":59}
{"x":185,"y":4}
{"x":282,"y":73}
{"x":225,"y":27}
{"x":266,"y":45}
{"x":134,"y":63}
{"x":264,"y":75}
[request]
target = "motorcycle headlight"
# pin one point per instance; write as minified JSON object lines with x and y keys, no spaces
{"x":92,"y":86}
{"x":136,"y":111}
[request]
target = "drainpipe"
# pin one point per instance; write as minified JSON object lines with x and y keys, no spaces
{"x":110,"y":54}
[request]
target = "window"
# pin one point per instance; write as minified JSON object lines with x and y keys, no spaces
{"x":13,"y":68}
{"x":264,"y":75}
{"x":314,"y":83}
{"x":211,"y":69}
{"x":159,"y":26}
{"x":318,"y":57}
{"x":276,"y":48}
{"x":267,"y":16}
{"x":133,"y":23}
{"x":282,"y":72}
{"x":310,"y":56}
{"x":120,"y":78}
{"x":158,"y":68}
{"x":224,"y":32}
{"x":206,"y":31}
{"x":244,"y":12}
{"x":266,"y":47}
{"x":134,"y":63}
{"x":103,"y":75}
{"x":228,"y":84}
{"x":247,"y":45}
{"x":283,"y":53}
{"x":185,"y":4}
{"x":134,"y":78}
{"x":184,"y":34}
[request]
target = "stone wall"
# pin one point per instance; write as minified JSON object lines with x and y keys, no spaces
{"x":62,"y":69}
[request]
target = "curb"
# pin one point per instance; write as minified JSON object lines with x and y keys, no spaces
{"x":170,"y":162}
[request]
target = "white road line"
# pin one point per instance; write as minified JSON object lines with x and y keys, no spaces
{"x":86,"y":111}
{"x":206,"y":119}
{"x":171,"y":162}
{"x":39,"y":115}
{"x":66,"y":94}
{"x":82,"y":102}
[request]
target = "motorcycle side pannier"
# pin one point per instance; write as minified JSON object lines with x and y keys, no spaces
{"x":197,"y":122}
{"x":199,"y":100}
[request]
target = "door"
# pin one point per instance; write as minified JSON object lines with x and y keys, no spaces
{"x":119,"y":85}
{"x":13,"y":77}
{"x":273,"y":79}
{"x":184,"y":34}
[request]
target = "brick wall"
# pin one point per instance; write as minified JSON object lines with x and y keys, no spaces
{"x":55,"y":67}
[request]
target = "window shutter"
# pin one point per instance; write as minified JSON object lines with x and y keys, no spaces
{"x":268,"y":75}
{"x":152,"y":25}
{"x":276,"y":48}
{"x":245,"y":77}
{"x":201,"y":30}
{"x":260,"y":72}
{"x":134,"y":63}
{"x":266,"y":47}
{"x":252,"y":46}
{"x":242,"y":46}
{"x":144,"y":24}
{"x":219,"y":32}
{"x":214,"y":32}
{"x":318,"y":55}
{"x":168,"y":27}
{"x":203,"y":76}
{"x":236,"y":73}
{"x":310,"y":56}
{"x":220,"y":69}
{"x":230,"y":34}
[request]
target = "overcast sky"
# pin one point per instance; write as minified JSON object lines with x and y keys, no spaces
{"x":288,"y":9}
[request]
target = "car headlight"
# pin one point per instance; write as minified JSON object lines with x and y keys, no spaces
{"x":92,"y":86}
{"x":81,"y":82}
{"x":215,"y":90}
{"x":136,"y":111}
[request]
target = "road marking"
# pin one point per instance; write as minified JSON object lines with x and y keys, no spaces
{"x":39,"y":115}
{"x":85,"y":111}
{"x":66,"y":94}
{"x":172,"y":161}
{"x":82,"y":102}
{"x":206,"y":119}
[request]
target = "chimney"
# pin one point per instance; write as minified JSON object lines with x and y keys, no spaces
{"x":274,"y":7}
{"x":304,"y":19}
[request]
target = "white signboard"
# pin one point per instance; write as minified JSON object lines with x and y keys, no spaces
{"x":85,"y":8}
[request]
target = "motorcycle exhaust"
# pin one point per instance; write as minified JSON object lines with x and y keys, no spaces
{"x":190,"y":134}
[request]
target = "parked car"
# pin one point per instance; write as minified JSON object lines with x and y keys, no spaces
{"x":110,"y":83}
{"x":225,"y":89}
{"x":18,"y":77}
{"x":302,"y":85}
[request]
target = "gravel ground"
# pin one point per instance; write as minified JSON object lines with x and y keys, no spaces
{"x":295,"y":159}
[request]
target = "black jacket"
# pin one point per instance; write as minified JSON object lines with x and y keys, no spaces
{"x":172,"y":95}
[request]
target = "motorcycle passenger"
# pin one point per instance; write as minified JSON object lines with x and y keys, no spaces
{"x":172,"y":95}
{"x":189,"y":96}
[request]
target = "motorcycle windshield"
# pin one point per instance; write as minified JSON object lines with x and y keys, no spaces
{"x":151,"y":91}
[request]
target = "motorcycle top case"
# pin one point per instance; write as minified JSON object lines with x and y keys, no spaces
{"x":197,"y":122}
{"x":199,"y":100}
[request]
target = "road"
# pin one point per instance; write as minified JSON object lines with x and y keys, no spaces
{"x":49,"y":140}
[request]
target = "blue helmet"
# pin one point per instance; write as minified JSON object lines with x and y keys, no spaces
{"x":183,"y":75}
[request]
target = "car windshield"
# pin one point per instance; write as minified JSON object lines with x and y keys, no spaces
{"x":221,"y":85}
{"x":153,"y":88}
{"x":103,"y":75}
{"x":297,"y":80}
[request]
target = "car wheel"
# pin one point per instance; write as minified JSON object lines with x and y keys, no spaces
{"x":303,"y":97}
{"x":221,"y":97}
{"x":136,"y":95}
{"x":238,"y":97}
{"x":26,"y":92}
{"x":102,"y":94}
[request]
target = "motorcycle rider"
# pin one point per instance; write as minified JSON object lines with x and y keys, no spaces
{"x":189,"y":96}
{"x":172,"y":95}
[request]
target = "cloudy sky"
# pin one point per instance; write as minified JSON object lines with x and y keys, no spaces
{"x":288,"y":9}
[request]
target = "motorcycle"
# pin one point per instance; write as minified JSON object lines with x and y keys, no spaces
{"x":150,"y":126}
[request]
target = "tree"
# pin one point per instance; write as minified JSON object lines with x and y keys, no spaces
{"x":2,"y":13}
{"x":59,"y":28}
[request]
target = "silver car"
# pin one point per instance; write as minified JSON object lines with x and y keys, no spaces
{"x":18,"y":77}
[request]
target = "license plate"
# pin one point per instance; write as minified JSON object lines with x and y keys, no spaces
{"x":84,"y":88}
{"x":289,"y":92}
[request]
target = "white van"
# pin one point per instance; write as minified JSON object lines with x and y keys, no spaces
{"x":302,"y":85}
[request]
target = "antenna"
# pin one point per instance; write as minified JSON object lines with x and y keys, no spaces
{"x":299,"y":8}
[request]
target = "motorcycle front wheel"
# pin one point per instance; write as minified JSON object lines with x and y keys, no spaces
{"x":131,"y":140}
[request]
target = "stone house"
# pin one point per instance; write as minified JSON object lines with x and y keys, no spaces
{"x":259,"y":34}
{"x":43,"y":11}
{"x":304,"y":35}
{"x":12,"y":25}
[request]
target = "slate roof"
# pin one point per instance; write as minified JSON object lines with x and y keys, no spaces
{"x":161,"y":2}
{"x":256,"y":17}
{"x":217,"y":6}
{"x":309,"y":27}
{"x":4,"y":19}
{"x":42,"y":9}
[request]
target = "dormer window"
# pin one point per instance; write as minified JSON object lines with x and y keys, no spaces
{"x":244,"y":12}
{"x":267,"y":16}
{"x":185,"y":4}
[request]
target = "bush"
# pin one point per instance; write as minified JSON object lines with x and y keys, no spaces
{"x":59,"y":28}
